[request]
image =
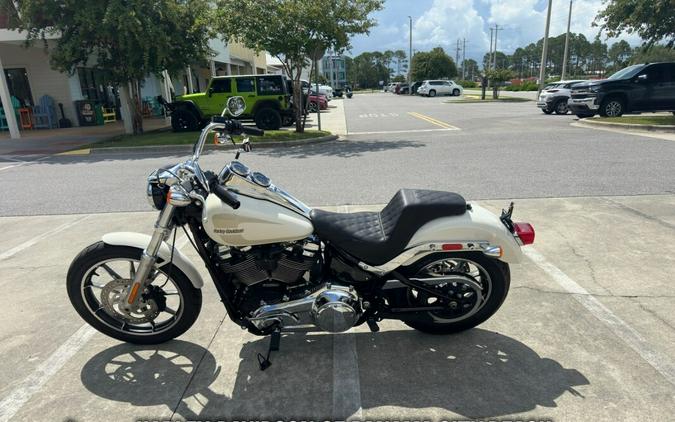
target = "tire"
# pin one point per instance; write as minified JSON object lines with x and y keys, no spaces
{"x":612,"y":107}
{"x":499,"y":281}
{"x":455,"y":92}
{"x":80,"y":273}
{"x":313,"y":107}
{"x":560,"y":107}
{"x":547,"y":110}
{"x":268,"y":119}
{"x":184,"y":121}
{"x":583,"y":116}
{"x":287,"y":121}
{"x":432,"y":93}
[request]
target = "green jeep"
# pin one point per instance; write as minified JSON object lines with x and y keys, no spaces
{"x":268,"y":102}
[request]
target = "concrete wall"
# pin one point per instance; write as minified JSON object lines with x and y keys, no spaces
{"x":42,"y":79}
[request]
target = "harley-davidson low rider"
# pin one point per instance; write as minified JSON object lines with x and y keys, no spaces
{"x":428,"y":258}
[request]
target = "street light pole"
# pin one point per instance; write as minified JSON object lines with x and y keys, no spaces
{"x":410,"y":58}
{"x":567,"y":44}
{"x":544,"y":52}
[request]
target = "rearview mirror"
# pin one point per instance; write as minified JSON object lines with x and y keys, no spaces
{"x":642,"y":78}
{"x":236,"y":106}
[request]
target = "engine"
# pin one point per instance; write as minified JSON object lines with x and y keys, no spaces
{"x":270,"y":274}
{"x":277,"y":286}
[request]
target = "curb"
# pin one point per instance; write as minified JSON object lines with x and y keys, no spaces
{"x":633,"y":127}
{"x":171,"y":149}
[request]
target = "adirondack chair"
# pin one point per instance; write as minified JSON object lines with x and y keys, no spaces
{"x":44,"y":114}
{"x":16,"y":105}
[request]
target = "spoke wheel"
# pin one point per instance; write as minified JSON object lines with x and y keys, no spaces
{"x":471,"y":289}
{"x":99,"y":280}
{"x":468,"y":291}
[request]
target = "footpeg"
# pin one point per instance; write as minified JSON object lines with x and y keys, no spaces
{"x":372,"y":324}
{"x":264,"y":362}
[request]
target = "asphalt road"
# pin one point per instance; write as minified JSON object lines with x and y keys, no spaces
{"x":483,"y":151}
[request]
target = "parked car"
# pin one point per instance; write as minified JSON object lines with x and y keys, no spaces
{"x":638,"y":88}
{"x":431,"y":88}
{"x":553,"y":98}
{"x":268,"y":102}
{"x":415,"y":86}
{"x":389,"y":87}
{"x":404,"y":89}
{"x":315,"y":101}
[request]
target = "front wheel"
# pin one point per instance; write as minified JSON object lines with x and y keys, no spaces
{"x":612,"y":107}
{"x":455,"y":92}
{"x":547,"y":110}
{"x":268,"y":119}
{"x":99,"y":279}
{"x":561,"y":107}
{"x":480,"y":287}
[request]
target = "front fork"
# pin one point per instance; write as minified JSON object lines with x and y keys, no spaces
{"x":162,"y":230}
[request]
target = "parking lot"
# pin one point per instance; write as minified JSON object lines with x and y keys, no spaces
{"x":587,"y":331}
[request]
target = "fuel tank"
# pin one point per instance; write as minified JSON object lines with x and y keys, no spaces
{"x":255,"y":222}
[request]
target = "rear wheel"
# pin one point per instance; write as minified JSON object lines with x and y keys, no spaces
{"x":479,"y":288}
{"x":184,"y":121}
{"x":268,"y":119}
{"x":99,"y":279}
{"x":432,"y":93}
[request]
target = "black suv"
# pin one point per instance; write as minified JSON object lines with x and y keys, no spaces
{"x":637,"y":88}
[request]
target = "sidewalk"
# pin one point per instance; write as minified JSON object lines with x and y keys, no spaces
{"x":53,"y":141}
{"x":332,"y":120}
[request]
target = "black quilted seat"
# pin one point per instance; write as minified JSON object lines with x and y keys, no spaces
{"x":378,"y":237}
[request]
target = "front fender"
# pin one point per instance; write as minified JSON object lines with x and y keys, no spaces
{"x":141,"y":241}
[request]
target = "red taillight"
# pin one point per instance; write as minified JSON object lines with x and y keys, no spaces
{"x":525,"y":232}
{"x":452,"y":246}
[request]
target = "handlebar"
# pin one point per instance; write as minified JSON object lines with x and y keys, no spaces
{"x":225,"y":196}
{"x":223,"y":124}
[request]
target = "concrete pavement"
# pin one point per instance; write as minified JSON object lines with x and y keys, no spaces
{"x":587,"y":333}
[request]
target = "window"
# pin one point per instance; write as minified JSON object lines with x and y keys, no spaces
{"x":95,"y":86}
{"x":436,"y":83}
{"x":270,"y":85}
{"x":245,"y":85}
{"x":17,"y":82}
{"x":656,"y":73}
{"x":221,"y":85}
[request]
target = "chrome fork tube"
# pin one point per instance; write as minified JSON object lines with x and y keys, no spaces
{"x":149,"y":256}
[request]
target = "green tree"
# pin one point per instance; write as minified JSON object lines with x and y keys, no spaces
{"x":129,"y":39}
{"x":434,"y":64}
{"x":498,"y":77}
{"x":293,"y":30}
{"x":656,"y":53}
{"x":501,"y":59}
{"x":471,"y":69}
{"x":652,"y":20}
{"x":619,"y":54}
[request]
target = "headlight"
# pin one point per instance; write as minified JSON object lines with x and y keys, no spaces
{"x":155,"y":194}
{"x":594,"y":89}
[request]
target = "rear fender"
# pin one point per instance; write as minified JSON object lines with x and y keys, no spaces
{"x":141,"y":241}
{"x":477,"y":225}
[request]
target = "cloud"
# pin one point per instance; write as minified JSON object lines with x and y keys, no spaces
{"x":442,"y":22}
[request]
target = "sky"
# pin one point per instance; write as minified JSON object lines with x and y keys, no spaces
{"x":442,"y":22}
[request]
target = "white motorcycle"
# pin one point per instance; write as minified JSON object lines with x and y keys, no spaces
{"x":428,"y":258}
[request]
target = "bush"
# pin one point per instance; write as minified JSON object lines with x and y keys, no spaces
{"x":526,"y":86}
{"x":467,"y":84}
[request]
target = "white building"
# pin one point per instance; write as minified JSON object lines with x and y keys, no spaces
{"x":29,"y":76}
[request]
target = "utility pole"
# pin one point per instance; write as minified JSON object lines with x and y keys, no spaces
{"x":464,"y":59}
{"x":490,"y":53}
{"x":410,"y":59}
{"x":544,"y":52}
{"x":457,"y":52}
{"x":497,"y":29}
{"x":567,"y":44}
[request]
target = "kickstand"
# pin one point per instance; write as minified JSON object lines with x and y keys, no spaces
{"x":275,"y":339}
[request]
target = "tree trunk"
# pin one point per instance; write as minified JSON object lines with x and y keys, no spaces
{"x":495,"y":90}
{"x":131,"y":100}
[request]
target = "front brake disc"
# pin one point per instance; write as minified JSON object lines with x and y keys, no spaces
{"x":112,"y":296}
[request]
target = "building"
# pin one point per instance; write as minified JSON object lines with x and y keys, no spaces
{"x":29,"y":76}
{"x":332,"y":67}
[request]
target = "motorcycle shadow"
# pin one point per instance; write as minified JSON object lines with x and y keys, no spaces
{"x":475,"y":374}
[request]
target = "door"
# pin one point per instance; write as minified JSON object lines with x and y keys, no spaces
{"x":218,"y":93}
{"x":665,"y":88}
{"x":647,"y":94}
{"x":246,"y":88}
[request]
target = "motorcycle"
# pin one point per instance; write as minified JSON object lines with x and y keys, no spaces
{"x":429,"y":259}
